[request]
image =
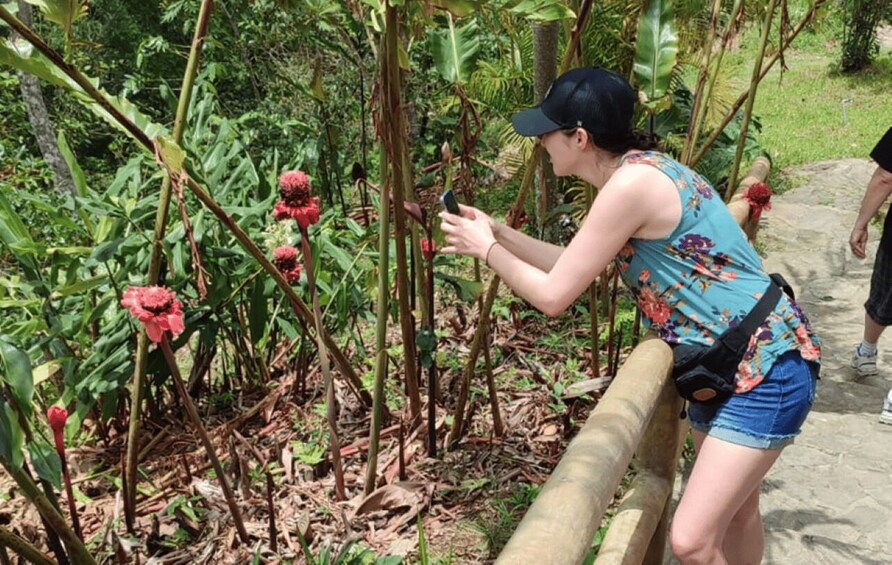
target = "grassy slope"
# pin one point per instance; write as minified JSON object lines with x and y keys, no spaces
{"x":801,"y":113}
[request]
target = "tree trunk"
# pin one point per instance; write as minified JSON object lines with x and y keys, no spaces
{"x":545,"y":42}
{"x":40,"y":119}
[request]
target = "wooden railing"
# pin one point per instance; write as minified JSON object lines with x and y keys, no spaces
{"x":636,"y":421}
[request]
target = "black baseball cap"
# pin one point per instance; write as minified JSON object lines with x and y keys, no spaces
{"x":600,"y":101}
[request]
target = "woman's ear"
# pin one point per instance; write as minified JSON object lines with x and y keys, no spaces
{"x":581,"y":137}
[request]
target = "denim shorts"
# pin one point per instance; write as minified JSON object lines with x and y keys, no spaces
{"x":770,"y":415}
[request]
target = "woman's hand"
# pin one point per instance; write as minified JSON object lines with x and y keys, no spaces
{"x":472,"y":233}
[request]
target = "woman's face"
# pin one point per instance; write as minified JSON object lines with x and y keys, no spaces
{"x":563,"y":149}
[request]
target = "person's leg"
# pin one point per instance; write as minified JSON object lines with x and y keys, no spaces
{"x":723,"y":486}
{"x":744,"y":541}
{"x":872,"y":330}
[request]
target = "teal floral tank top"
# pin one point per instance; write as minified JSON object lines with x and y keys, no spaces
{"x":705,"y":277}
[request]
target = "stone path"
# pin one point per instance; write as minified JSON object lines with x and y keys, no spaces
{"x":829,"y":497}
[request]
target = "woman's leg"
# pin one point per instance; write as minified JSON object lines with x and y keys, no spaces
{"x":723,"y":487}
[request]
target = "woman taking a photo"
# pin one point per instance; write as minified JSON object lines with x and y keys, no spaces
{"x":694,"y":275}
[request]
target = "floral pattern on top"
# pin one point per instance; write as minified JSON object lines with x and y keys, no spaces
{"x":705,"y":277}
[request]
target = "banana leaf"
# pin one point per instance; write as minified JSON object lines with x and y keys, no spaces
{"x":62,"y":12}
{"x":656,"y":51}
{"x":455,"y":50}
{"x":21,"y":56}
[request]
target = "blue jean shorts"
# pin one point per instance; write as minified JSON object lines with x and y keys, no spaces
{"x":770,"y":415}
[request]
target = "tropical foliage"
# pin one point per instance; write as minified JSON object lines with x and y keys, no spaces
{"x":177,"y":121}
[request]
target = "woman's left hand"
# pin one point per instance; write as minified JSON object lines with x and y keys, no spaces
{"x":467,"y":236}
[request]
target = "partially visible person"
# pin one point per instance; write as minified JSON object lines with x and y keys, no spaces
{"x":878,"y":308}
{"x":694,"y":275}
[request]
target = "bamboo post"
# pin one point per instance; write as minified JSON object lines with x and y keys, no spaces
{"x":739,"y":207}
{"x":574,"y":499}
{"x":641,"y":523}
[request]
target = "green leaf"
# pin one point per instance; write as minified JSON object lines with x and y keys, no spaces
{"x":80,"y":286}
{"x":455,"y":50}
{"x":259,"y":310}
{"x":289,"y":329}
{"x":62,"y":12}
{"x":656,"y":51}
{"x":45,"y":371}
{"x":77,"y":173}
{"x":458,"y":8}
{"x":46,"y":462}
{"x":11,"y":437}
{"x":20,"y":55}
{"x":172,"y":154}
{"x":17,"y":374}
{"x":543,"y":11}
{"x":467,"y":290}
{"x":106,"y":251}
{"x":16,"y":237}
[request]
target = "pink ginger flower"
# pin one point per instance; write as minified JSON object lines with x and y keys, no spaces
{"x":428,"y":248}
{"x":294,"y":188}
{"x":305,"y":216}
{"x":285,"y":259}
{"x":157,"y":308}
{"x":57,"y":417}
{"x":296,"y":202}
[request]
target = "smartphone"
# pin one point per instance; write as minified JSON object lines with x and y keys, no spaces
{"x":447,"y":199}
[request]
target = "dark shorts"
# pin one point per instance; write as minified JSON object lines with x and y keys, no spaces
{"x":879,"y":302}
{"x":770,"y":415}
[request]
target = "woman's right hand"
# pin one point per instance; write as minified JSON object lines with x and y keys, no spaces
{"x":473,"y":214}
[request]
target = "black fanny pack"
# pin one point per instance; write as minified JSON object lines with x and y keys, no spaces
{"x":706,"y":374}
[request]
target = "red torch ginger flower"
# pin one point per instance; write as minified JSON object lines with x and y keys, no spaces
{"x":428,"y":248}
{"x":759,"y":197}
{"x":57,"y":417}
{"x":296,"y":202}
{"x":304,"y":215}
{"x":294,"y":188}
{"x":285,"y":259}
{"x":157,"y":308}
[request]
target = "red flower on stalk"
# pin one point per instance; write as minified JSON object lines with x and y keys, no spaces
{"x":428,"y":248}
{"x":294,"y":188}
{"x":296,"y":202}
{"x":285,"y":259}
{"x":157,"y":308}
{"x":57,"y":417}
{"x":759,"y":197}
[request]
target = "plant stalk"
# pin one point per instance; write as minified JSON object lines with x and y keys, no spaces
{"x":750,"y":100}
{"x":142,"y":342}
{"x":205,"y":440}
{"x":388,"y":155}
{"x":330,"y":408}
{"x":21,"y":546}
{"x":76,"y":548}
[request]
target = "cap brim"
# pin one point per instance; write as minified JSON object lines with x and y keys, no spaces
{"x":533,"y":122}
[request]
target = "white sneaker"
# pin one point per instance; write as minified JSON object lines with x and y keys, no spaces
{"x":865,"y":365}
{"x":886,"y":414}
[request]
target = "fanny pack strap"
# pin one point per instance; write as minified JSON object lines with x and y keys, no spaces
{"x":738,"y":339}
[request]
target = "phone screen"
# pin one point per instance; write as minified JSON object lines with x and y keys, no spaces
{"x":449,"y":202}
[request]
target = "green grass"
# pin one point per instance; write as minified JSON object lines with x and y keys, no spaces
{"x":801,"y":115}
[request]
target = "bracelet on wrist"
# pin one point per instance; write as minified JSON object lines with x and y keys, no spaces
{"x":488,"y":251}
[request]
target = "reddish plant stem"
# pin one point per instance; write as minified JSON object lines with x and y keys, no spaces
{"x":69,"y":493}
{"x":205,"y":439}
{"x":330,"y":408}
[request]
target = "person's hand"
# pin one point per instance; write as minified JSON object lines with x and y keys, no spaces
{"x":471,"y":233}
{"x":858,"y":242}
